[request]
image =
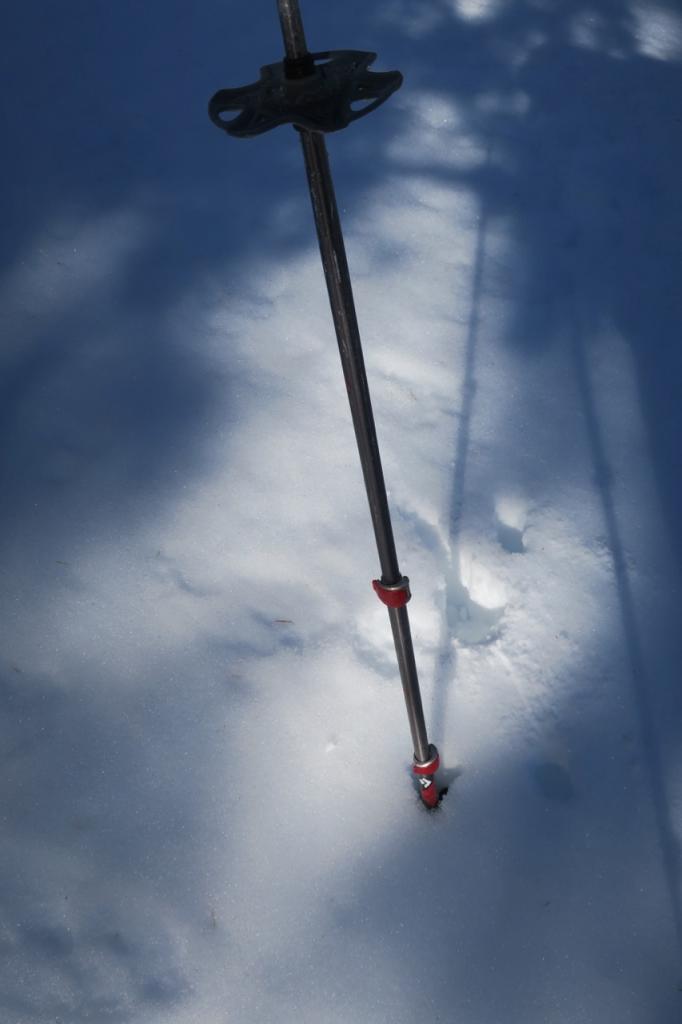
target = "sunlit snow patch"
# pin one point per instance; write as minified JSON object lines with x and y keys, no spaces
{"x":477,"y":602}
{"x":415,"y":20}
{"x":67,"y":259}
{"x":435,"y":134}
{"x":659,"y":32}
{"x":478,"y":10}
{"x":589,"y":30}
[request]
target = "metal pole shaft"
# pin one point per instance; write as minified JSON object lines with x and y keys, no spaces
{"x":337,"y":276}
{"x":340,"y":291}
{"x":292,"y":29}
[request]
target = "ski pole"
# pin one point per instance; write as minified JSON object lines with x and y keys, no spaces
{"x":315,"y":92}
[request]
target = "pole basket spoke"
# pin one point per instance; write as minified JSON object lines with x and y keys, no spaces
{"x":321,"y":92}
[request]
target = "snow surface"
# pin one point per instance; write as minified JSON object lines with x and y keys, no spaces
{"x":206,"y":804}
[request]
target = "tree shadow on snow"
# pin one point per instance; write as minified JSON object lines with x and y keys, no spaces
{"x":97,"y":417}
{"x":583,"y":125}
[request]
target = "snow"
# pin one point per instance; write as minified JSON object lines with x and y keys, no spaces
{"x":207,"y":809}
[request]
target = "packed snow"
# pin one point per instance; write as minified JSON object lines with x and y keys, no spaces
{"x":208,"y":815}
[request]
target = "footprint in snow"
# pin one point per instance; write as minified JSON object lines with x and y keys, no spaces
{"x":477,"y":600}
{"x":511,"y":512}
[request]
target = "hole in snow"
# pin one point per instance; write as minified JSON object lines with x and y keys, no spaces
{"x":511,"y":511}
{"x":483,"y":588}
{"x":476,"y":603}
{"x":474,"y":624}
{"x":510,"y":539}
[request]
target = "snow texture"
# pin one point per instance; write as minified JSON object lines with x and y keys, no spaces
{"x":206,"y":804}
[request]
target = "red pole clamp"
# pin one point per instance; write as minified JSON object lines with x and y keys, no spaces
{"x":393,"y":595}
{"x":424,"y":772}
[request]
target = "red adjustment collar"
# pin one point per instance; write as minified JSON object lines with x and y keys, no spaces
{"x":394,"y":595}
{"x":429,"y":767}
